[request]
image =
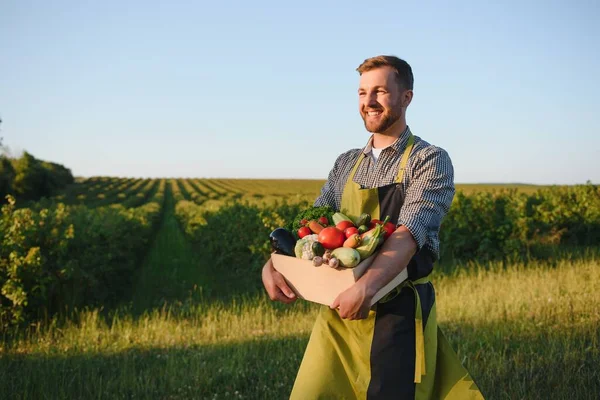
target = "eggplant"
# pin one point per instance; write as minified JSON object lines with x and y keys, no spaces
{"x":283,"y":241}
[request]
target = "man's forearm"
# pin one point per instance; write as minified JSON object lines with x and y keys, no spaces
{"x":392,"y":258}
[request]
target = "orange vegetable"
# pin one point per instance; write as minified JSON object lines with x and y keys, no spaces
{"x":353,"y":241}
{"x":315,"y":227}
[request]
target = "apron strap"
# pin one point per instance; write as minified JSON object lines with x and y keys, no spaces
{"x":356,"y":164}
{"x":401,"y":168}
{"x":404,"y":160}
{"x":419,"y":337}
{"x":349,"y":204}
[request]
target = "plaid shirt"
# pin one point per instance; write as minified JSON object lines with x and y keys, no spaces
{"x":428,"y":184}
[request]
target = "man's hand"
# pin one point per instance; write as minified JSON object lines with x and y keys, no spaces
{"x":275,"y":285}
{"x":353,"y":303}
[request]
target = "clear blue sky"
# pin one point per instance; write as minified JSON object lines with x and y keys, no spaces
{"x":265,"y":89}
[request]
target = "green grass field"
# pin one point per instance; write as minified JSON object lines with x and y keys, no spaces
{"x":524,"y":331}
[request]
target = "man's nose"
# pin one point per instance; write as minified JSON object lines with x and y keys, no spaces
{"x":371,"y":99}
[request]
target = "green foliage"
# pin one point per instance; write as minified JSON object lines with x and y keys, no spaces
{"x":311,"y":213}
{"x":514,"y":225}
{"x":482,"y":225}
{"x":28,"y":178}
{"x":56,"y":177}
{"x":7,"y":176}
{"x":64,"y":257}
{"x":232,"y":237}
{"x":55,"y":256}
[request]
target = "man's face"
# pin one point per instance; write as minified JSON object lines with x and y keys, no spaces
{"x":380,"y":99}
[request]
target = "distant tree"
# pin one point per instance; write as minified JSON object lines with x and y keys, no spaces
{"x":7,"y":172}
{"x":3,"y":149}
{"x":29,"y":179}
{"x":56,"y":177}
{"x":7,"y":176}
{"x":34,"y":179}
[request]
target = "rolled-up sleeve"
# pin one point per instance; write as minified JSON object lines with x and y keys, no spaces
{"x":428,"y":198}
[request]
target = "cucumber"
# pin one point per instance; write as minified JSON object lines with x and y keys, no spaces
{"x":364,"y":219}
{"x":370,"y":242}
{"x":347,"y":257}
{"x":318,"y":249}
{"x":339,"y":217}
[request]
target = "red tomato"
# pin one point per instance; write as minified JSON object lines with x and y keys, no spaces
{"x":343,"y":225}
{"x":331,"y":238}
{"x":350,"y":231}
{"x":304,"y":231}
{"x":303,"y":222}
{"x":324,"y":221}
{"x":389,"y":229}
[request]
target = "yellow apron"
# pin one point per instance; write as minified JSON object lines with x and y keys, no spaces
{"x":398,"y":351}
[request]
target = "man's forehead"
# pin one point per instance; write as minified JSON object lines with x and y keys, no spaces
{"x":382,"y":76}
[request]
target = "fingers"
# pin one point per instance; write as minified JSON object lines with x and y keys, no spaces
{"x":282,"y":285}
{"x":336,"y":303}
{"x":276,"y":294}
{"x":276,"y":287}
{"x":348,"y":311}
{"x":279,"y":296}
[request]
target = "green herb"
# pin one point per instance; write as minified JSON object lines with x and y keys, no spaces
{"x":309,"y":214}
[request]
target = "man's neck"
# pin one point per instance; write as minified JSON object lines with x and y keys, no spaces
{"x":384,"y":139}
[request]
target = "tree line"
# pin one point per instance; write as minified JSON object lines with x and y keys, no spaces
{"x":28,"y":178}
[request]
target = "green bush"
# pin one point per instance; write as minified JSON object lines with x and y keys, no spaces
{"x":512,"y":225}
{"x":28,"y":178}
{"x":55,"y":257}
{"x":233,"y":239}
{"x":482,"y":226}
{"x":63,"y":257}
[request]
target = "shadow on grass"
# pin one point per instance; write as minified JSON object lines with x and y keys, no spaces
{"x":505,"y":363}
{"x":219,"y":261}
{"x":258,"y":369}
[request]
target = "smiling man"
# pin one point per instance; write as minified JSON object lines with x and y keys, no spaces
{"x":393,"y":350}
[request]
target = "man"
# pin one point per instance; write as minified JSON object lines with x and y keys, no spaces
{"x":393,"y":350}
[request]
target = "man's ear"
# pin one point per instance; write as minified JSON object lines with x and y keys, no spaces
{"x":406,"y":98}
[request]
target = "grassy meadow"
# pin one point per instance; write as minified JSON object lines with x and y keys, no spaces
{"x":524,"y":330}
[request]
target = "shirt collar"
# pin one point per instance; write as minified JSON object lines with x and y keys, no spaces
{"x":397,"y":146}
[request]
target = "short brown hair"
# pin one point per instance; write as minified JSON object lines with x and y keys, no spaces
{"x":404,"y":74}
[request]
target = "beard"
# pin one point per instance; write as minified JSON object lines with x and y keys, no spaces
{"x":387,"y":119}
